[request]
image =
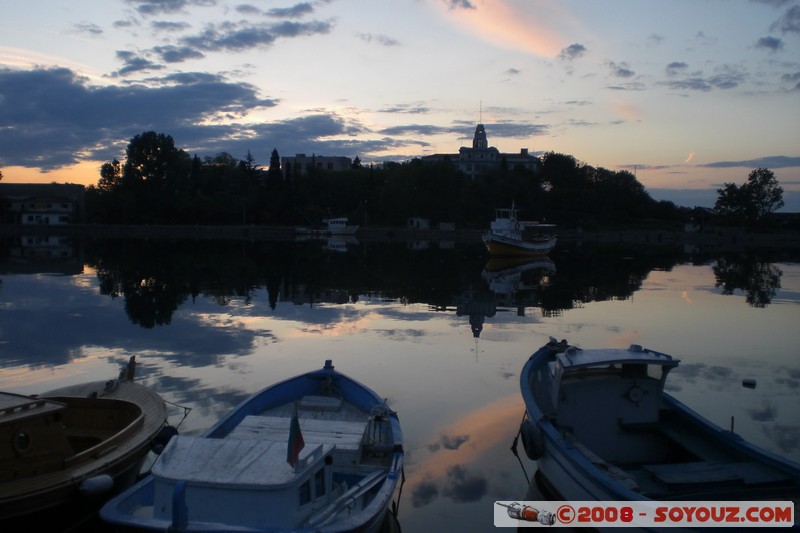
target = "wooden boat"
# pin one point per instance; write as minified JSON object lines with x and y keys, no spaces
{"x":509,"y":236}
{"x":317,"y":452}
{"x":601,"y":427}
{"x":70,"y":448}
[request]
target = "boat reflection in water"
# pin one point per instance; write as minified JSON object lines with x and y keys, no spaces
{"x":515,"y":280}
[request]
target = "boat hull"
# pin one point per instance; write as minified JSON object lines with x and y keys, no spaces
{"x":262,"y":496}
{"x":498,"y":245}
{"x":89,"y":478}
{"x":696,"y":452}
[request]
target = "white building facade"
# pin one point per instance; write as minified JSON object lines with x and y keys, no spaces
{"x":482,"y":158}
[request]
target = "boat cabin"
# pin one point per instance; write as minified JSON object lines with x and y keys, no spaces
{"x":245,"y":478}
{"x":333,"y":224}
{"x":612,"y":389}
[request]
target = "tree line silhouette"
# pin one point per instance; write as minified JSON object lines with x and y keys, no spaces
{"x":161,"y":184}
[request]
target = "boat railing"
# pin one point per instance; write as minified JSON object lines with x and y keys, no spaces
{"x":346,"y":500}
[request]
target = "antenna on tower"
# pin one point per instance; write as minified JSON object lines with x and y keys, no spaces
{"x":480,"y":113}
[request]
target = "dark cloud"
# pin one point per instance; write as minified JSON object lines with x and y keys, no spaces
{"x":462,"y":487}
{"x":162,"y":25}
{"x":297,"y":10}
{"x":158,"y":7}
{"x":454,"y":442}
{"x":86,"y":27}
{"x":513,"y":71}
{"x":415,"y":129}
{"x":514,"y":130}
{"x":787,"y":437}
{"x":765,"y":414}
{"x":124,"y":24}
{"x":48,"y":117}
{"x":789,"y":21}
{"x":380,"y":39}
{"x":460,"y":4}
{"x":775,"y":161}
{"x":248,"y":9}
{"x":423,"y":494}
{"x":792,"y":78}
{"x":630,"y":86}
{"x":177,"y":54}
{"x":133,"y":62}
{"x":406,"y":108}
{"x":573,"y":51}
{"x":237,"y":37}
{"x":676,"y":68}
{"x":770,"y":43}
{"x":620,"y":70}
{"x":725,"y":77}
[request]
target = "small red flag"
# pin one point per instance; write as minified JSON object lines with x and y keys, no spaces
{"x":296,"y":442}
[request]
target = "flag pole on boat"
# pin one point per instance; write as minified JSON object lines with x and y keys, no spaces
{"x":296,"y":442}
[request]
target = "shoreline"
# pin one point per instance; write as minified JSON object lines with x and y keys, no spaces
{"x":719,"y":236}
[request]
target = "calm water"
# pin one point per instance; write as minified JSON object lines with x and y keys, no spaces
{"x":433,"y":327}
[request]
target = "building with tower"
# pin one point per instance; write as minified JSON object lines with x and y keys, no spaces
{"x":481,"y":157}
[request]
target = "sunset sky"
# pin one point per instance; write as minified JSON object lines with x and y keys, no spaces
{"x":688,"y":94}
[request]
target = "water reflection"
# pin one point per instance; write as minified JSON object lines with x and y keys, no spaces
{"x":759,"y":279}
{"x":215,"y":320}
{"x":156,"y":277}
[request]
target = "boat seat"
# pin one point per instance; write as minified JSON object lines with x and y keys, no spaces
{"x":692,"y":442}
{"x":700,"y":472}
{"x":612,"y":471}
{"x":346,"y":436}
{"x":710,"y":472}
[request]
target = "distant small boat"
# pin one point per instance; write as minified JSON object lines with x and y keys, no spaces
{"x":330,"y":226}
{"x":509,"y":236}
{"x":317,"y":452}
{"x":601,"y":427}
{"x":68,"y":450}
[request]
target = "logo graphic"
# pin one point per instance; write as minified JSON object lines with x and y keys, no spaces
{"x":529,"y":514}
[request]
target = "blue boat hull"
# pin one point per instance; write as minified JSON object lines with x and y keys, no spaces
{"x":573,"y":472}
{"x":133,"y":509}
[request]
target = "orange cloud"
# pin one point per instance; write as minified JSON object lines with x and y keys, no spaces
{"x":628,"y":111}
{"x":517,"y":27}
{"x":486,"y":428}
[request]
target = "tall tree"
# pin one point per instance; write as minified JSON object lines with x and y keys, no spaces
{"x":151,"y":157}
{"x":110,"y":176}
{"x":274,"y":174}
{"x":759,"y":196}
